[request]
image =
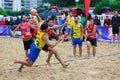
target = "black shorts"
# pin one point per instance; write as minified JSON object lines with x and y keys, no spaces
{"x":27,"y":43}
{"x":93,"y":42}
{"x":115,"y":30}
{"x":45,"y":48}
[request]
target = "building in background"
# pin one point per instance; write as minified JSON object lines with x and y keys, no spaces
{"x":17,"y":5}
{"x":39,"y":2}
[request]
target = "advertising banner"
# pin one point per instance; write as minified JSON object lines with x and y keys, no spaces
{"x":5,"y":31}
{"x":104,"y":33}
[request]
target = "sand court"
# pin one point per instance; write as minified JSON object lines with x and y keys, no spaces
{"x":105,"y":66}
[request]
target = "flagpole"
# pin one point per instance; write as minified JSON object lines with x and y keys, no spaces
{"x":76,"y":3}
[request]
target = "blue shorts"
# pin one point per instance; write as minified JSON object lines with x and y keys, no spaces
{"x":67,"y":30}
{"x":76,"y":41}
{"x":34,"y":52}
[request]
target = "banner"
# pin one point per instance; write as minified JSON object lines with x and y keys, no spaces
{"x":86,"y":5}
{"x":104,"y":33}
{"x":5,"y":31}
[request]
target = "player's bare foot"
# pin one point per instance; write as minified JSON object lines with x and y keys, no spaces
{"x":75,"y":56}
{"x":65,"y":65}
{"x":12,"y":63}
{"x":20,"y":70}
{"x":80,"y":56}
{"x":62,"y":40}
{"x":48,"y":63}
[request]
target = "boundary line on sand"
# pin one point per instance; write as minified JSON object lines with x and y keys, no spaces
{"x":74,"y":59}
{"x":69,"y":60}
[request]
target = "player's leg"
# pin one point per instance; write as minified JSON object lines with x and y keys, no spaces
{"x":49,"y":57}
{"x":94,"y":50}
{"x":88,"y":47}
{"x":74,"y":50}
{"x":79,"y":41}
{"x":57,"y":57}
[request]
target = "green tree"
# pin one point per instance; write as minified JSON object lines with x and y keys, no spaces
{"x":114,"y":4}
{"x":61,"y":3}
{"x":12,"y":13}
{"x":68,"y":3}
{"x":3,"y":12}
{"x":92,"y":2}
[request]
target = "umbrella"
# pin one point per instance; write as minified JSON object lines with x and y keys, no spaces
{"x":52,"y":13}
{"x":60,"y":8}
{"x":48,"y":13}
{"x":43,"y":16}
{"x":105,"y":8}
{"x":40,"y":9}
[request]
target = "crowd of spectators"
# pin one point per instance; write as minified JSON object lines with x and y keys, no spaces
{"x":11,"y":21}
{"x":107,"y":21}
{"x":14,"y":21}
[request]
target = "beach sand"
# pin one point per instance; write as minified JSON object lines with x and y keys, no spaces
{"x":102,"y":68}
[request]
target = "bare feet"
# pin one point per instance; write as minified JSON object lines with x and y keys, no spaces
{"x":65,"y":65}
{"x":20,"y":70}
{"x":80,"y":56}
{"x":75,"y":56}
{"x":48,"y":63}
{"x":63,"y":40}
{"x":12,"y":63}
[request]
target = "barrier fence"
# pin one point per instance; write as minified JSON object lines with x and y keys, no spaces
{"x":103,"y":33}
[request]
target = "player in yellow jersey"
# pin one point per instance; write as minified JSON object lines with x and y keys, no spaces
{"x":77,"y":36}
{"x":42,"y":42}
{"x":70,"y":22}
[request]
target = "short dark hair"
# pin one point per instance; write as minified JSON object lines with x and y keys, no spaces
{"x":44,"y":26}
{"x":50,"y":19}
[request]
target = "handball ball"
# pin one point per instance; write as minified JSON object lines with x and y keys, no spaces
{"x":34,"y":12}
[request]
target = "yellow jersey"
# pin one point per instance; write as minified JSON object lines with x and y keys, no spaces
{"x":70,"y":22}
{"x":77,"y":32}
{"x":37,"y":22}
{"x":39,"y":42}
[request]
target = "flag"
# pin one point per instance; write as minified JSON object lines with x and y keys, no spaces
{"x":86,"y":6}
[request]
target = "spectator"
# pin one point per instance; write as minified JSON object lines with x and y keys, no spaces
{"x":107,"y":21}
{"x":97,"y":21}
{"x":60,"y":23}
{"x":83,"y":20}
{"x":115,"y":26}
{"x":74,"y":12}
{"x":17,"y":21}
{"x":56,"y":21}
{"x":2,"y":23}
{"x":11,"y":23}
{"x":64,"y":20}
{"x":6,"y":21}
